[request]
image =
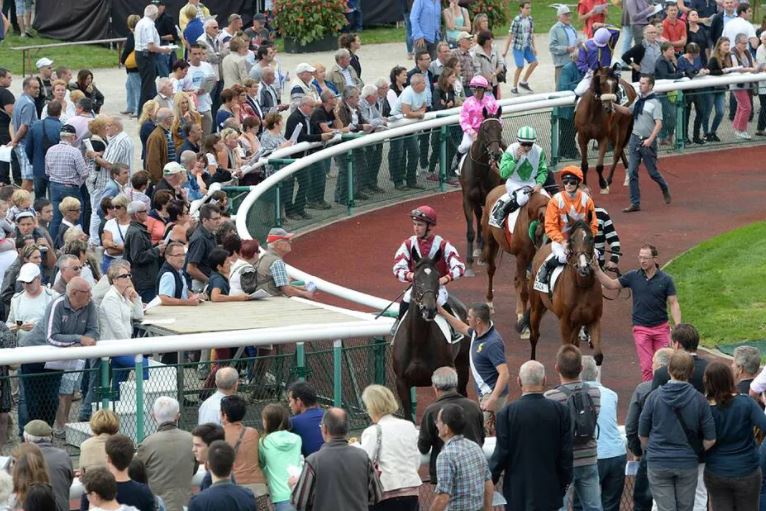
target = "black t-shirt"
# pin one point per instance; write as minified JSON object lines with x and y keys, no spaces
{"x":201,"y":244}
{"x":6,"y":98}
{"x":129,"y":493}
{"x":321,"y":116}
{"x":165,"y":26}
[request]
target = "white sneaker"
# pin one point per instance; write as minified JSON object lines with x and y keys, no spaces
{"x":744,"y":134}
{"x":627,"y":180}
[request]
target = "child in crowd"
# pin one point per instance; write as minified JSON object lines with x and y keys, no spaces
{"x":22,"y":201}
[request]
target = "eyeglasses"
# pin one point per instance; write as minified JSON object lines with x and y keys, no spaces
{"x":124,"y":276}
{"x":75,"y":268}
{"x":72,"y":210}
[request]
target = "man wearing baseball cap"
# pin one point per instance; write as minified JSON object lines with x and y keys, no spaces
{"x":562,"y":40}
{"x":44,"y":72}
{"x":28,"y":306}
{"x":172,"y":179}
{"x":301,"y":86}
{"x":465,"y":57}
{"x":271,"y":270}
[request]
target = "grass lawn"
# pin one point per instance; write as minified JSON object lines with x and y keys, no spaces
{"x":74,"y":57}
{"x":721,"y":288}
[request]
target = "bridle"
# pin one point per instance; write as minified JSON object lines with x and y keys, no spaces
{"x":499,"y":141}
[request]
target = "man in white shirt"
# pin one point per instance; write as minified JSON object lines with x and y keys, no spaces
{"x":226,"y":381}
{"x":412,"y":104}
{"x":147,"y":46}
{"x":215,"y":52}
{"x":202,"y":74}
{"x":741,"y":25}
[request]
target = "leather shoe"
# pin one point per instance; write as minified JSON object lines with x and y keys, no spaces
{"x":416,"y":187}
{"x":666,"y":196}
{"x":401,"y":188}
{"x":632,"y":208}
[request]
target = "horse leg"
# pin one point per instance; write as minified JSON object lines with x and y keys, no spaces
{"x":595,"y":337}
{"x":619,"y":154}
{"x":478,"y":210}
{"x":521,"y":283}
{"x":569,"y":332}
{"x":582,"y":141}
{"x":490,"y":255}
{"x":403,"y":390}
{"x":462,"y":366}
{"x":536,"y":311}
{"x":469,"y":235}
{"x":602,"y":145}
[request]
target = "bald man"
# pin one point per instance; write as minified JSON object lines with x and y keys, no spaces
{"x":70,"y":320}
{"x":226,"y":383}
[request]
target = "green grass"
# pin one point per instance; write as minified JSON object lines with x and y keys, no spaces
{"x":721,"y":288}
{"x":74,"y":57}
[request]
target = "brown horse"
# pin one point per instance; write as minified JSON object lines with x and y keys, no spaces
{"x":576,"y":299}
{"x":596,"y":119}
{"x":522,"y":245}
{"x":477,"y":178}
{"x":419,"y":346}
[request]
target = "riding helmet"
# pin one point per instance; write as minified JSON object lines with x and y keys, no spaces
{"x":526,"y":134}
{"x":479,"y":81}
{"x":602,"y":36}
{"x":425,"y":214}
{"x":573,"y":171}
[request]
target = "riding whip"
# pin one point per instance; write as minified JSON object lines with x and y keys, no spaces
{"x":393,"y":301}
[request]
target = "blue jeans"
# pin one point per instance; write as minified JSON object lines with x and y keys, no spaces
{"x":626,"y":35}
{"x":285,"y":505}
{"x":407,"y":27}
{"x":718,"y":104}
{"x":133,"y":90}
{"x":41,"y":186}
{"x":58,"y":193}
{"x":162,"y":63}
{"x":761,"y":456}
{"x":586,"y":488}
{"x":636,"y":154}
{"x":93,"y":373}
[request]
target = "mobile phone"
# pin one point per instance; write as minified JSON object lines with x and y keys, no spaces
{"x":19,"y":322}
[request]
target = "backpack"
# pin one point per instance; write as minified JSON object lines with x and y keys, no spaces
{"x":582,"y":412}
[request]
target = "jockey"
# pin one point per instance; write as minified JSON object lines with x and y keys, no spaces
{"x":472,"y":114}
{"x":524,"y":166}
{"x":595,"y":53}
{"x":426,"y":244}
{"x":572,"y":204}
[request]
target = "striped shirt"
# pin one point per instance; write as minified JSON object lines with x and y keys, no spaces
{"x":585,"y":454}
{"x":120,"y":150}
{"x":461,"y":470}
{"x":65,"y":165}
{"x":606,"y":234}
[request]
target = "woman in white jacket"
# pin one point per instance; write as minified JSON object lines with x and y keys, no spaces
{"x":119,"y":308}
{"x":393,"y":444}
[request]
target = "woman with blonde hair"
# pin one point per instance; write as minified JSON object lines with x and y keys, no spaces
{"x":128,"y":59}
{"x":104,"y":424}
{"x":115,"y":230}
{"x":392,"y":445}
{"x":185,"y":114}
{"x":28,"y":470}
{"x":230,"y":157}
{"x":70,"y":209}
{"x":146,"y":123}
{"x":60,"y":89}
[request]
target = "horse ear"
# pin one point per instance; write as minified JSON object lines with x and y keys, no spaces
{"x":437,"y":256}
{"x":499,"y":112}
{"x":484,"y":112}
{"x":415,"y":256}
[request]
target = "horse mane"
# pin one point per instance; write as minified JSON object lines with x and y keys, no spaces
{"x":582,"y":224}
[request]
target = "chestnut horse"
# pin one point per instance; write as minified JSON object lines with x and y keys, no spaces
{"x":522,"y":245}
{"x":419,"y":347}
{"x":596,"y":119}
{"x":576,"y":299}
{"x":477,"y":178}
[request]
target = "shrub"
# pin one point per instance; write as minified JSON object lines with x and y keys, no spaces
{"x":309,"y":20}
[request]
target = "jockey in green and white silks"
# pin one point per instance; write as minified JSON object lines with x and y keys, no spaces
{"x":524,"y":166}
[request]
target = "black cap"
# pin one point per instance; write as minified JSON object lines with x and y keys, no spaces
{"x":259,"y":17}
{"x":68,"y":128}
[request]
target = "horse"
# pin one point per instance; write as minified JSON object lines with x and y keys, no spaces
{"x":596,"y":119}
{"x":419,"y":347}
{"x":576,"y":299}
{"x":477,"y":179}
{"x":523,"y":245}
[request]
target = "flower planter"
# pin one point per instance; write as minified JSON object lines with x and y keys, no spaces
{"x":327,"y":43}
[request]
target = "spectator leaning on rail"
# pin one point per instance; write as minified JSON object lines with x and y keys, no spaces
{"x":272,"y":273}
{"x":534,"y":446}
{"x":224,"y":494}
{"x":172,"y":281}
{"x":444,"y":381}
{"x":167,"y":455}
{"x":69,"y":320}
{"x":201,"y":244}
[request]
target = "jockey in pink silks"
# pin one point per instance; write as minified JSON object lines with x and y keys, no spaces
{"x":472,"y":114}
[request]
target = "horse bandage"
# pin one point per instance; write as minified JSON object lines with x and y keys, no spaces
{"x":609,"y":97}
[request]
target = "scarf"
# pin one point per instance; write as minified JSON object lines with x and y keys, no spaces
{"x":639,"y":108}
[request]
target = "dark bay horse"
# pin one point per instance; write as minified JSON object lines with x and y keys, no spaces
{"x":522,"y":246}
{"x":577,"y":299}
{"x":419,"y":346}
{"x":596,"y":119}
{"x":477,"y":179}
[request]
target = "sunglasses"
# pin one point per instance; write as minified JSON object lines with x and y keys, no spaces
{"x":526,"y":144}
{"x":569,"y":181}
{"x":124,"y":276}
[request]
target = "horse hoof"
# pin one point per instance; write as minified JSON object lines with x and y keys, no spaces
{"x":524,"y":336}
{"x":605,"y":191}
{"x":469,"y":273}
{"x":477,"y":253}
{"x":481,"y":262}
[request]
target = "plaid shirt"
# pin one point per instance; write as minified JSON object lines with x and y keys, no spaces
{"x":520,"y":39}
{"x":65,"y":165}
{"x":279,"y":273}
{"x":467,"y":65}
{"x":461,"y":470}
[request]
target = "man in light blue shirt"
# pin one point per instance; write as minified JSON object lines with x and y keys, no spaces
{"x":412,"y":104}
{"x":425,"y":18}
{"x":610,"y":444}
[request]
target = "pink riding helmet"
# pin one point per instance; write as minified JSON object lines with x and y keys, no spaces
{"x":479,"y":81}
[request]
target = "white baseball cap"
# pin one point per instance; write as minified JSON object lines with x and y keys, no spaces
{"x":563,"y":9}
{"x":303,"y":67}
{"x":28,"y":272}
{"x":45,"y":61}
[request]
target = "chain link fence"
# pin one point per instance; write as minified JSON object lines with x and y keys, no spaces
{"x":423,"y":163}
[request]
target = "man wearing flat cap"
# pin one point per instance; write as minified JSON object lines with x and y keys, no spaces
{"x":465,"y":57}
{"x":272,"y":273}
{"x":59,"y":464}
{"x":562,"y":40}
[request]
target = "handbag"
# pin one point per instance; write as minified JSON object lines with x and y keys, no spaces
{"x":130,"y":60}
{"x":374,"y":486}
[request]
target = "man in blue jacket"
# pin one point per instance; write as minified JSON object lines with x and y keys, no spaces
{"x":224,"y":494}
{"x":42,"y":135}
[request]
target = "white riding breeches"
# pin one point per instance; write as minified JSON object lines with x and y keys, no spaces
{"x":584,"y":84}
{"x":465,"y":144}
{"x":441,"y":299}
{"x":560,"y":251}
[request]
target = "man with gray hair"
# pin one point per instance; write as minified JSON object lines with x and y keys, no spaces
{"x":746,"y":363}
{"x":160,"y":147}
{"x":57,"y":460}
{"x":167,"y":456}
{"x":403,"y":154}
{"x":269,"y":96}
{"x":226,"y":383}
{"x":610,"y":448}
{"x":144,"y":257}
{"x":372,"y":110}
{"x":642,"y":496}
{"x":271,"y":270}
{"x":147,"y":48}
{"x":195,"y":185}
{"x":164,"y":97}
{"x":66,"y":170}
{"x":343,"y":74}
{"x":534,"y":445}
{"x":444,"y":381}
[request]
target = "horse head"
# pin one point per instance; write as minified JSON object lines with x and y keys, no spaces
{"x":605,"y":85}
{"x":491,"y":135}
{"x":581,"y":246}
{"x":425,"y":285}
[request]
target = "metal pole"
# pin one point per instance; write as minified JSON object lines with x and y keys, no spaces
{"x":278,"y":205}
{"x":337,"y":372}
{"x":300,"y":360}
{"x":350,"y":182}
{"x":379,"y":349}
{"x":105,"y":383}
{"x":555,"y":140}
{"x":180,"y":376}
{"x":680,"y":112}
{"x":140,"y":404}
{"x":442,"y":157}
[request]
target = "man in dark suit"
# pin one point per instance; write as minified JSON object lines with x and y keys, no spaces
{"x":223,"y":495}
{"x":444,"y":383}
{"x":534,"y":446}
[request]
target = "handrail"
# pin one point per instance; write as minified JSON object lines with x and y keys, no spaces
{"x":26,"y":49}
{"x":513,"y":105}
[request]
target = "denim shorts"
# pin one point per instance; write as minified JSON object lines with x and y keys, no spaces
{"x":69,"y":382}
{"x":23,"y":6}
{"x":27,"y":172}
{"x":519,"y":56}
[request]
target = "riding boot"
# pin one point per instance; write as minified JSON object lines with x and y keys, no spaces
{"x":403,"y":306}
{"x":502,"y":210}
{"x":543,"y":277}
{"x":455,"y":165}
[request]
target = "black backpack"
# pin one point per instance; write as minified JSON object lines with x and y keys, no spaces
{"x":583,"y":413}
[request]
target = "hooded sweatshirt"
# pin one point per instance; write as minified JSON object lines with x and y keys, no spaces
{"x":668,"y":446}
{"x":277,"y":452}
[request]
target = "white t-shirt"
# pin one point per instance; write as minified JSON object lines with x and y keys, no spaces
{"x":29,"y":309}
{"x":145,"y":33}
{"x":118,"y":231}
{"x":415,"y":100}
{"x":738,"y":26}
{"x":198,"y":75}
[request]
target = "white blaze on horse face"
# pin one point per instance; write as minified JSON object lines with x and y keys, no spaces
{"x":583,"y":261}
{"x":427,"y":271}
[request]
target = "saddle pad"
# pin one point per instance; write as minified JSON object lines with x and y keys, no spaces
{"x":622,"y":95}
{"x":554,"y":276}
{"x":444,"y":328}
{"x":510,"y":222}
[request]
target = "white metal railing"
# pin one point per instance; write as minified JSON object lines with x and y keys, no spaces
{"x":532,"y":102}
